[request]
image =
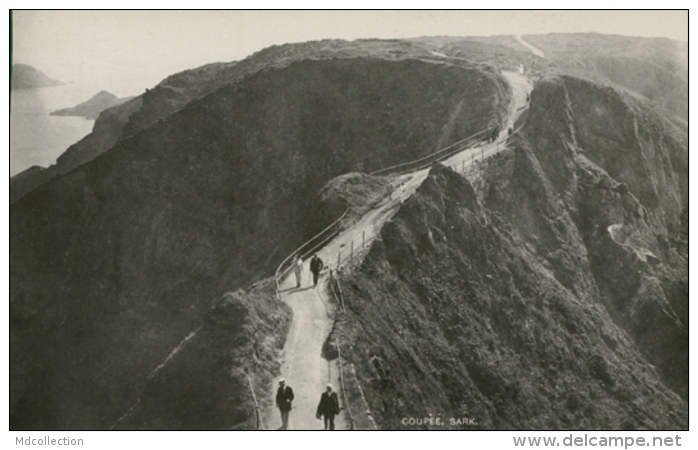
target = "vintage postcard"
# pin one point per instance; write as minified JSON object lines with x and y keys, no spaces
{"x":349,"y":220}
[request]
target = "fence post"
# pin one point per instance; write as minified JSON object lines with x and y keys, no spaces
{"x":363,"y":239}
{"x":352,"y":249}
{"x":339,"y":258}
{"x":343,"y":385}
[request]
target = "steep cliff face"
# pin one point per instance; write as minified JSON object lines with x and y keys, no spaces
{"x":114,"y":263}
{"x":631,"y":173}
{"x":455,"y":315}
{"x":553,"y":294}
{"x":207,"y":382}
{"x":619,"y":167}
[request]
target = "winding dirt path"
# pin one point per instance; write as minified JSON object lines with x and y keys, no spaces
{"x":535,"y":50}
{"x":304,"y":368}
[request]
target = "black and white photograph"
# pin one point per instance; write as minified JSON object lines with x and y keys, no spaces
{"x":357,"y":220}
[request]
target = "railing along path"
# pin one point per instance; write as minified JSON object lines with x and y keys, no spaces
{"x":333,"y":229}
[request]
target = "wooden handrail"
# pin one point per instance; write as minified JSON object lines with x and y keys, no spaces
{"x":453,"y":150}
{"x":344,"y":388}
{"x":431,"y":155}
{"x":288,"y":258}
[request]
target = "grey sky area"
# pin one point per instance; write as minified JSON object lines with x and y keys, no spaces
{"x":127,"y":51}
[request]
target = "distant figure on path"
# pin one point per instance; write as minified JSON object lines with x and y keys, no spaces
{"x":510,"y":131}
{"x":495,"y":133}
{"x":328,"y":407}
{"x":316,"y":266}
{"x":298,"y":269}
{"x":284,"y":397}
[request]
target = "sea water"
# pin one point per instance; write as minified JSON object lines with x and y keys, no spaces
{"x":36,"y":137}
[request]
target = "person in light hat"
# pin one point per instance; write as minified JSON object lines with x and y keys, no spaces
{"x":298,"y":269}
{"x":284,"y":397}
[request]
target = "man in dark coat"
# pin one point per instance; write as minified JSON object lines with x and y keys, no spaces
{"x":328,"y":407}
{"x":316,"y":266}
{"x":495,"y":133}
{"x":284,"y":397}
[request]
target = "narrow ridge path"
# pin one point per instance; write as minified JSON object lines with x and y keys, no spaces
{"x":304,"y":368}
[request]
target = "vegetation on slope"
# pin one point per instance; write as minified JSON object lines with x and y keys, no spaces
{"x":206,"y":382}
{"x":452,"y":315}
{"x":114,"y":263}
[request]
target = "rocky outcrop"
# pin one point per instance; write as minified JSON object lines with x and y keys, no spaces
{"x":623,"y":189}
{"x":355,"y":193}
{"x":213,"y":371}
{"x":91,"y":108}
{"x":460,"y":314}
{"x":26,"y":77}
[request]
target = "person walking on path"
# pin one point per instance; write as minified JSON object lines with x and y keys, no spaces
{"x":298,"y":269}
{"x":495,"y":133}
{"x":284,"y":397}
{"x":316,"y":266}
{"x":328,"y":407}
